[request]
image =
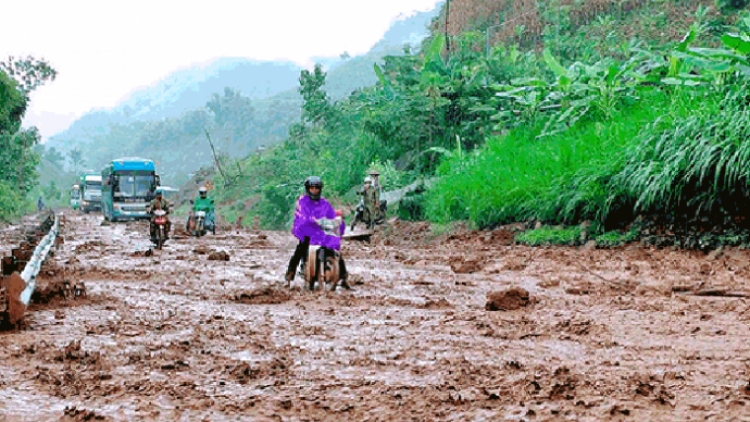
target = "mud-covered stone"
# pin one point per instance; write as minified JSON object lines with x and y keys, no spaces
{"x":218,"y":256}
{"x":461,"y":265}
{"x":507,"y":300}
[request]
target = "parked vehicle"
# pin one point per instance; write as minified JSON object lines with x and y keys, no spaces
{"x":362,"y":216}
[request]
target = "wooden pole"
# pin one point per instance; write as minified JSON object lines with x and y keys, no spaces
{"x":218,"y":164}
{"x":447,"y":38}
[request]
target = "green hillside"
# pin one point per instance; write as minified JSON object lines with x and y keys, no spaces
{"x":571,"y":122}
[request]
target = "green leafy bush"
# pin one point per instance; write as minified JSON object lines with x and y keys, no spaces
{"x":411,"y":207}
{"x":615,"y":238}
{"x":11,"y":203}
{"x":550,"y":236}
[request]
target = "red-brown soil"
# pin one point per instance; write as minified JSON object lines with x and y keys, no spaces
{"x":627,"y":334}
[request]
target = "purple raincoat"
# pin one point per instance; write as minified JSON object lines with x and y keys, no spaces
{"x":304,"y":222}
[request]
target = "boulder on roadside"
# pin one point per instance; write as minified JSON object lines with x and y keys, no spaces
{"x":507,"y":300}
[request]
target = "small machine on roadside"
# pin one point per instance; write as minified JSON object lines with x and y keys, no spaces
{"x":371,"y":210}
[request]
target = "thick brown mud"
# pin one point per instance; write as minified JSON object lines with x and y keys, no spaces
{"x":578,"y":334}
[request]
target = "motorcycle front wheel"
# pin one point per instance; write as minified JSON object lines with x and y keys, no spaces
{"x":159,"y":237}
{"x":310,"y":267}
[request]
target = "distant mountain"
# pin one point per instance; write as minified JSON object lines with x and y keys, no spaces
{"x":182,"y":91}
{"x":138,"y":125}
{"x":357,"y":72}
{"x":191,"y":88}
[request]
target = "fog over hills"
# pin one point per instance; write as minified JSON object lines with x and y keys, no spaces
{"x":159,"y":120}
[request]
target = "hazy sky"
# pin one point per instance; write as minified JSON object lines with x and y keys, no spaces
{"x":104,"y":50}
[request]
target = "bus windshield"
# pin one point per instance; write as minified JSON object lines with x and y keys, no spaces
{"x":92,"y":190}
{"x":131,"y":184}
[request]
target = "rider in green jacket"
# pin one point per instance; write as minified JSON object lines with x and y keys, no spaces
{"x":203,"y":203}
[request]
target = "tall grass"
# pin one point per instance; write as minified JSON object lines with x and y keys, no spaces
{"x":571,"y":176}
{"x":699,"y":166}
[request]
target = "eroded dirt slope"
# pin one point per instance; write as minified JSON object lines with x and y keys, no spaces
{"x":629,"y":334}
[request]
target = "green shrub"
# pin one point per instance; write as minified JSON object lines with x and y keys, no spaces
{"x":11,"y":203}
{"x":615,"y":238}
{"x":732,"y":4}
{"x":550,"y":236}
{"x":411,"y":207}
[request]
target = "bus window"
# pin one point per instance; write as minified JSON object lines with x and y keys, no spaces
{"x":133,"y":185}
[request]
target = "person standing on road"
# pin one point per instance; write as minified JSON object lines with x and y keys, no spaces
{"x":371,"y":201}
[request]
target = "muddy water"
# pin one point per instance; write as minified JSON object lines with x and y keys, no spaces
{"x":172,"y":335}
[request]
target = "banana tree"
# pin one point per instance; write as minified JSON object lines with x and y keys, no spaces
{"x":576,"y":90}
{"x":699,"y":66}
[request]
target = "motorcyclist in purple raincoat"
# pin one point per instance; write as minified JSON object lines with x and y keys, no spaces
{"x":310,"y":208}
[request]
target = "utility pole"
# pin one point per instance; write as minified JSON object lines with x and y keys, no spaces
{"x":447,"y":38}
{"x":488,"y":36}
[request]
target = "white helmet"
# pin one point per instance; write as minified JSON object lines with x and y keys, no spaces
{"x":368,"y":179}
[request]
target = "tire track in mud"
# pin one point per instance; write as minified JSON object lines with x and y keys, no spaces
{"x":171,"y":334}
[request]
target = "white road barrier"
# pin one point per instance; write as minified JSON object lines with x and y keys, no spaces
{"x":37,"y":259}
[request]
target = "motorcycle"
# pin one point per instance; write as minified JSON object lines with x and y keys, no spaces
{"x":196,"y":223}
{"x":359,"y":215}
{"x":160,"y":228}
{"x":321,"y":265}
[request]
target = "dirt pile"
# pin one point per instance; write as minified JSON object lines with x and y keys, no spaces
{"x":263,"y":296}
{"x":73,"y":414}
{"x":244,"y":372}
{"x":507,"y":300}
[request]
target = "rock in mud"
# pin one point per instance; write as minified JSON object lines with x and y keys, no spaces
{"x":218,"y":256}
{"x":201,"y":250}
{"x":462,"y":265}
{"x":142,"y":253}
{"x":441,"y":303}
{"x":507,"y":300}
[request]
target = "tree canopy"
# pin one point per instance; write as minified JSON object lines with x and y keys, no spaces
{"x":18,"y":158}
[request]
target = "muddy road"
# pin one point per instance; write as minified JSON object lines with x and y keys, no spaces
{"x":628,"y":334}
